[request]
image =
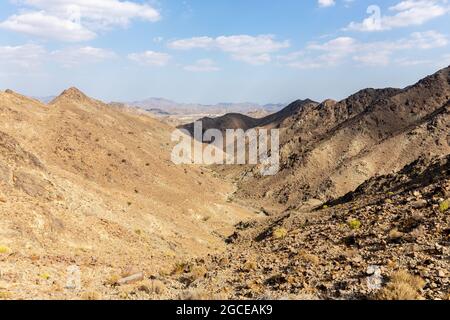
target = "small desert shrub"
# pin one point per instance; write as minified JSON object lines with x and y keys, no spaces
{"x":91,"y":296}
{"x":138,"y":232}
{"x":181,"y":267}
{"x":444,"y":205}
{"x":44,"y":276}
{"x":308,"y":257}
{"x":196,"y":295}
{"x":325,"y":206}
{"x":5,"y":295}
{"x":198,"y":272}
{"x":279,"y":233}
{"x":394,"y":235}
{"x":402,"y":286}
{"x":354,"y":224}
{"x":113,"y":280}
{"x":250,"y":265}
{"x":4,"y":250}
{"x":123,"y":295}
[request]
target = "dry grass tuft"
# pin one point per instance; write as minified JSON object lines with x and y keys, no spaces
{"x":181,"y":267}
{"x":152,"y":287}
{"x":280,"y":233}
{"x":308,"y":257}
{"x":250,"y":265}
{"x":395,"y":235}
{"x":196,"y":295}
{"x":402,"y":286}
{"x":198,"y":272}
{"x":91,"y":296}
{"x":113,"y":280}
{"x":4,"y":295}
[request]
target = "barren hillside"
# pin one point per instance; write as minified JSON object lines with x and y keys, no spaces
{"x":328,"y":149}
{"x":85,"y":184}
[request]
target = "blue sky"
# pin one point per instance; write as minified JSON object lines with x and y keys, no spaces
{"x":220,"y":51}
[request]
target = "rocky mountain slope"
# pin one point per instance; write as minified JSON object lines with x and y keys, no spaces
{"x":389,"y":239}
{"x":240,"y":121}
{"x":329,"y":149}
{"x":86,"y":184}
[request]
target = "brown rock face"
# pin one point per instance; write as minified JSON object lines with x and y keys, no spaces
{"x":329,"y":149}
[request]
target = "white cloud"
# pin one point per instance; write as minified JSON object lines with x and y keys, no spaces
{"x":426,"y":40}
{"x":75,"y":20}
{"x":333,"y":52}
{"x":250,"y":49}
{"x":406,"y":62}
{"x":340,"y":50}
{"x":70,"y":57}
{"x":405,"y":13}
{"x":31,"y":56}
{"x":98,"y":13}
{"x":42,"y":25}
{"x":150,"y":58}
{"x":326,"y":3}
{"x":24,"y":56}
{"x":202,"y":65}
{"x":376,"y":58}
{"x":256,"y":60}
{"x":249,"y":44}
{"x":348,"y":3}
{"x":341,"y":45}
{"x":193,"y":43}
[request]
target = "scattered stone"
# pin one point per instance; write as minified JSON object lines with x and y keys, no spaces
{"x":131,"y":279}
{"x":419,"y":204}
{"x":442,"y":274}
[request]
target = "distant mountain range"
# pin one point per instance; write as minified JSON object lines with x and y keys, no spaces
{"x":163,"y":106}
{"x":46,"y":100}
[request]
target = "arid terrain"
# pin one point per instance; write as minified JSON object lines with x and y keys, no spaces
{"x":359,"y":209}
{"x":84,"y":184}
{"x":176,"y":114}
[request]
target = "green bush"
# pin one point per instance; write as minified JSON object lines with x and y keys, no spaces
{"x":354,"y":224}
{"x":444,"y":205}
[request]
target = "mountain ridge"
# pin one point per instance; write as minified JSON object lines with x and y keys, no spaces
{"x":327,"y":151}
